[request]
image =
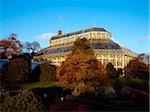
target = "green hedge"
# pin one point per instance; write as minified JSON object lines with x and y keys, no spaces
{"x":138,"y":84}
{"x":44,"y":72}
{"x":118,"y":83}
{"x":135,"y":83}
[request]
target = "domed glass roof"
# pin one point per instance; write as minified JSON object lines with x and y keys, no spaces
{"x":104,"y":45}
{"x":93,"y":44}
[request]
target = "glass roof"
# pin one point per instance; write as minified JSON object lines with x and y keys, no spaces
{"x":94,"y":45}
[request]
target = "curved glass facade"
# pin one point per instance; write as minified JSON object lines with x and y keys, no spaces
{"x":105,"y":49}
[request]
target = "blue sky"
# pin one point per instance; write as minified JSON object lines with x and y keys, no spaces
{"x":35,"y":20}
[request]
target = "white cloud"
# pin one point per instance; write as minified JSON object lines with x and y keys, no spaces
{"x":146,"y":38}
{"x":46,"y":36}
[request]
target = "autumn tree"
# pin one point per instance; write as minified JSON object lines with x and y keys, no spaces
{"x":137,"y":69}
{"x":32,"y":47}
{"x":10,"y":46}
{"x":81,"y":71}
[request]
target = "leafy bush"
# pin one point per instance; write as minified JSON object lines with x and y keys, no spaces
{"x":44,"y":72}
{"x":24,"y":101}
{"x":16,"y":70}
{"x":118,"y":83}
{"x":68,"y":105}
{"x":138,"y":84}
{"x":106,"y":92}
{"x":137,"y":69}
{"x":111,"y":71}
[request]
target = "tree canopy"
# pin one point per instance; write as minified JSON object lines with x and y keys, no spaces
{"x":16,"y":70}
{"x":111,"y":71}
{"x":81,"y":71}
{"x":10,"y":46}
{"x":137,"y":69}
{"x":31,"y":47}
{"x":44,"y":72}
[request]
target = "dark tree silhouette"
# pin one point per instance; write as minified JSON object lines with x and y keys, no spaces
{"x":111,"y":71}
{"x":44,"y":72}
{"x":17,"y":70}
{"x":32,"y":47}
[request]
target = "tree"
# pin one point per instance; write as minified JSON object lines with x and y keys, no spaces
{"x":144,"y":57}
{"x":137,"y":68}
{"x":16,"y":70}
{"x":10,"y":46}
{"x":24,"y":101}
{"x":44,"y":72}
{"x":81,"y":71}
{"x":111,"y":71}
{"x":32,"y":47}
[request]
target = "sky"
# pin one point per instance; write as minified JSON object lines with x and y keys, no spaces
{"x":38,"y":20}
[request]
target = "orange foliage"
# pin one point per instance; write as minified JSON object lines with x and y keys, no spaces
{"x":81,"y":72}
{"x":136,"y":68}
{"x":10,"y":46}
{"x":5,"y":43}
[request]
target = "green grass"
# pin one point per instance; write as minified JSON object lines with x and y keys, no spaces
{"x":33,"y":85}
{"x":40,"y":85}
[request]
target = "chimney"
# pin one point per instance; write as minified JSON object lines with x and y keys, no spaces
{"x":59,"y":33}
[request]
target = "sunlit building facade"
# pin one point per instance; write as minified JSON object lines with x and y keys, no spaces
{"x":105,"y":49}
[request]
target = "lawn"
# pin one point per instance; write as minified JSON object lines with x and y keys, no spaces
{"x":40,"y":85}
{"x":33,"y":85}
